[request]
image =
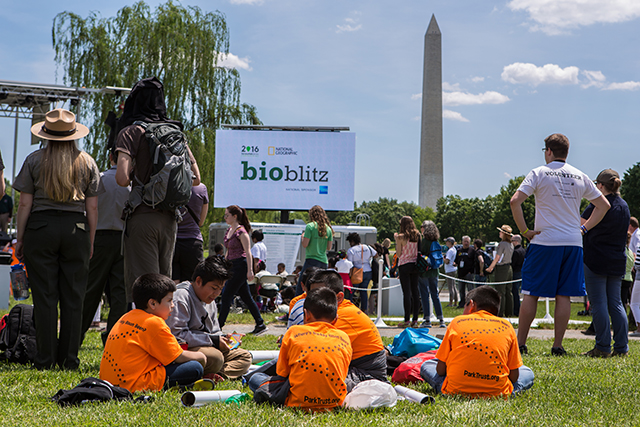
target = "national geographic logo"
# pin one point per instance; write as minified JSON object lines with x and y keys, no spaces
{"x":282,"y":151}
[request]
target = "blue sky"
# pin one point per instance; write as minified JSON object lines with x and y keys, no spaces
{"x":514,"y":71}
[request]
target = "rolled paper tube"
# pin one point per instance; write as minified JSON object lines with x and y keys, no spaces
{"x":199,"y":398}
{"x":263,"y":355}
{"x":252,"y":368}
{"x":412,"y":395}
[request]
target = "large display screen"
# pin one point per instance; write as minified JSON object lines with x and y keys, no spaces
{"x":284,"y":170}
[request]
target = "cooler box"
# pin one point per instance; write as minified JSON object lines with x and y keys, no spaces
{"x":5,"y":279}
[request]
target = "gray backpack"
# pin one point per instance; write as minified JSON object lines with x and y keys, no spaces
{"x":169,"y":187}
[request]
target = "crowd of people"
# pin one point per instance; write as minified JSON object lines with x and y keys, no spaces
{"x":165,"y":328}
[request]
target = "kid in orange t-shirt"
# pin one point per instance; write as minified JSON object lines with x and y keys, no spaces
{"x":140,"y":352}
{"x":369,"y":360}
{"x":314,"y":358}
{"x":479,"y":355}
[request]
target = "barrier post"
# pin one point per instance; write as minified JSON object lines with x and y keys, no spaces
{"x":547,"y":316}
{"x":379,"y":322}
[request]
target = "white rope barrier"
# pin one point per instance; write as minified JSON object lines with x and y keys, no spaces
{"x":485,"y":283}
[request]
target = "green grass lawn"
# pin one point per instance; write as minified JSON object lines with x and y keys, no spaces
{"x":573,"y":390}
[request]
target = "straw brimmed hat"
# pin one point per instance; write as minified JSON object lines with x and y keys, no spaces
{"x":59,"y":125}
{"x":506,"y":230}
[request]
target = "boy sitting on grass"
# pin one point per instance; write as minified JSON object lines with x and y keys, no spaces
{"x":479,"y":355}
{"x":194,"y":320}
{"x":369,"y":360}
{"x":140,"y":352}
{"x":313,"y":361}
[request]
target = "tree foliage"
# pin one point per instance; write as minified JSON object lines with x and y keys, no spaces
{"x":630,"y":189}
{"x":182,"y":46}
{"x":479,"y":218}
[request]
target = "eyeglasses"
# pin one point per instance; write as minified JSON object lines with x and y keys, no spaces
{"x":545,"y":149}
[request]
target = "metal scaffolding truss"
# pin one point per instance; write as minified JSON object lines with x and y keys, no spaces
{"x":33,"y":100}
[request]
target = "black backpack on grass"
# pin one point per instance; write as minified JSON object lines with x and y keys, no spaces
{"x":91,"y":390}
{"x":18,"y":336}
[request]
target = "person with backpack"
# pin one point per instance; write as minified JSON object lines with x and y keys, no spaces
{"x":57,"y":218}
{"x":502,"y":265}
{"x":150,"y":229}
{"x":428,"y":280}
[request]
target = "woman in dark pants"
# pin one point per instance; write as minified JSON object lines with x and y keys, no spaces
{"x":605,"y":262}
{"x":407,"y":252}
{"x":237,"y":242}
{"x":58,"y":184}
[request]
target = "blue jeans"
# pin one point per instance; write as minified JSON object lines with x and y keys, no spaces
{"x":257,"y":379}
{"x":238,"y":285}
{"x":366,"y":278}
{"x":430,"y":375}
{"x":429,"y":285}
{"x":309,"y":262}
{"x":604,"y":296}
{"x":183,"y":373}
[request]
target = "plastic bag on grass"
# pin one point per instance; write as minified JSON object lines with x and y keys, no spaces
{"x":412,"y":341}
{"x":371,"y":394}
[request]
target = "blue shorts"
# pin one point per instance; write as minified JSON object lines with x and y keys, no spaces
{"x":553,"y":270}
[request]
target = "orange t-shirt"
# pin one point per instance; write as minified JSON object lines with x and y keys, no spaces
{"x":479,"y":350}
{"x":363,"y":333}
{"x":316,"y":358}
{"x":137,"y":350}
{"x":293,"y":302}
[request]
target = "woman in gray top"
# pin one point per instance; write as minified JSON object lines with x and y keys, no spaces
{"x":502,"y":264}
{"x":58,"y":184}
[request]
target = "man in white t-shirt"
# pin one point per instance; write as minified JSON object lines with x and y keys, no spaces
{"x":553,"y":266}
{"x":450,"y":270}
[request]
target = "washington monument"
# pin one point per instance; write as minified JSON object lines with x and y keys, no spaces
{"x":431,"y":179}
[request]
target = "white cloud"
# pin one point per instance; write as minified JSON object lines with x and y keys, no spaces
{"x":507,"y":175}
{"x":247,"y":1}
{"x":477,"y":79}
{"x":348,"y":28}
{"x":623,"y":86}
{"x":521,"y":73}
{"x":416,"y":96}
{"x":595,"y":78}
{"x":450,"y":87}
{"x":351,"y":24}
{"x":464,"y":98}
{"x":453,"y":115}
{"x":559,"y":16}
{"x":233,"y":61}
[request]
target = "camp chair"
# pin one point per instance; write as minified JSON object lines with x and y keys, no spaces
{"x":269,"y":287}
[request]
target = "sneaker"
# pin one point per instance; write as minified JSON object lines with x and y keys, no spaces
{"x":425,"y":324}
{"x":283,"y":318}
{"x":259,"y":329}
{"x":594,"y":352}
{"x":404,"y":324}
{"x":442,"y":324}
{"x":634,"y":334}
{"x":588,"y":332}
{"x":558,"y":351}
{"x":619,"y":353}
{"x":414,"y":324}
{"x":523,"y":350}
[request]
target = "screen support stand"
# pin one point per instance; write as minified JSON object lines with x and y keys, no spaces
{"x":284,"y":217}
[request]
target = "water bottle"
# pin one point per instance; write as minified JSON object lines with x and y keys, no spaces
{"x":19,"y":283}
